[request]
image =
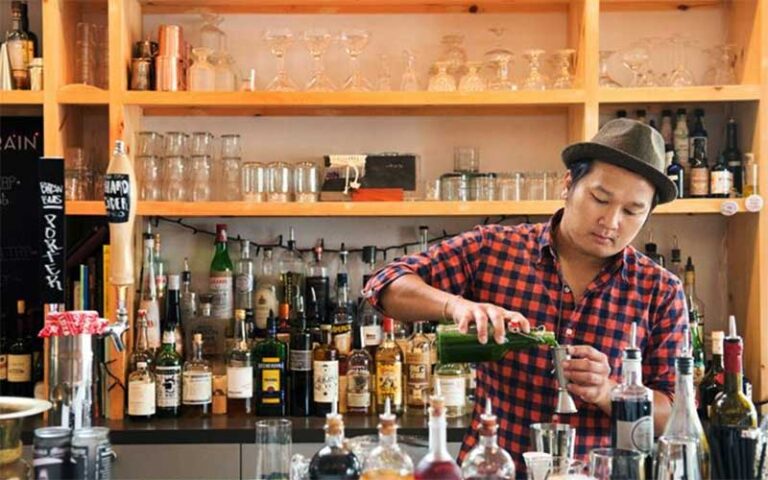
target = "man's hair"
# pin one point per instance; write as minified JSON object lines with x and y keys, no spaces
{"x":581,"y":168}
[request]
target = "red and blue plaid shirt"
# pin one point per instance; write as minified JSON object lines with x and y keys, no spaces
{"x":516,"y":267}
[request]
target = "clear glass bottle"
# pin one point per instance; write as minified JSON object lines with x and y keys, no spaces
{"x":387,"y":461}
{"x":292,"y":270}
{"x":418,"y":370}
{"x":452,"y":381}
{"x":359,"y":378}
{"x":240,"y":372}
{"x":168,"y":376}
{"x":325,"y":369}
{"x":221,"y":281}
{"x":149,"y":302}
{"x":370,"y":320}
{"x":202,"y":74}
{"x":141,"y":351}
{"x":188,"y":299}
{"x":266,"y":292}
{"x":334,"y":461}
{"x":161,"y":276}
{"x":225,"y":73}
{"x":197,"y":377}
{"x":487,"y":461}
{"x":271,"y":358}
{"x":438,"y":463}
{"x":244,"y":278}
{"x":141,"y":393}
{"x":389,"y":370}
{"x":214,"y":340}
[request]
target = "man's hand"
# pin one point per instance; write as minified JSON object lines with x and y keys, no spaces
{"x":589,"y":374}
{"x":465,"y":312}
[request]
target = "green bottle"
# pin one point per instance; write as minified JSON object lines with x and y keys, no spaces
{"x":270,"y":356}
{"x":456,"y":347}
{"x":168,"y":375}
{"x":221,"y":282}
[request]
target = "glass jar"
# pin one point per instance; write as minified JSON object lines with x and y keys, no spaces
{"x":200,"y":189}
{"x":201,"y":143}
{"x":306,"y":178}
{"x":150,"y":183}
{"x":455,"y":187}
{"x":466,"y":159}
{"x":510,"y":187}
{"x":279,"y":182}
{"x":230,"y":146}
{"x":149,"y":144}
{"x":92,"y":453}
{"x":230,"y":179}
{"x":175,"y":144}
{"x":225,"y":73}
{"x":483,"y":187}
{"x":201,"y":76}
{"x":536,"y":186}
{"x":254,"y":182}
{"x":174,"y":188}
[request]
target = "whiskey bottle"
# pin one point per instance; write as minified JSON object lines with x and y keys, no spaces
{"x":451,"y":378}
{"x":341,"y":326}
{"x":149,"y":302}
{"x":699,"y":171}
{"x":666,"y":129}
{"x":214,"y":344}
{"x":325,"y":369}
{"x":33,"y":43}
{"x":712,"y":383}
{"x":240,"y":372}
{"x":141,"y":393}
{"x":418,"y":370}
{"x":334,"y":461}
{"x":141,"y":352}
{"x":20,"y":383}
{"x":487,"y":460}
{"x":370,"y":320}
{"x":197,"y":391}
{"x":359,"y":377}
{"x":682,"y":140}
{"x":342,"y":281}
{"x":389,"y":370}
{"x":720,"y":179}
{"x":244,"y":278}
{"x":437,"y":463}
{"x":270,"y":356}
{"x":300,"y":365}
{"x":676,"y":172}
{"x":17,"y":42}
{"x":318,"y":283}
{"x":387,"y":460}
{"x":266,"y":299}
{"x":699,"y":134}
{"x":220,"y":281}
{"x":168,"y":376}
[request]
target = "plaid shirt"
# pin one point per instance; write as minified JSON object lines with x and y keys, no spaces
{"x":517,"y":268}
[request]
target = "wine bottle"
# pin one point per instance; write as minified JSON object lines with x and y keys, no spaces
{"x":456,"y":347}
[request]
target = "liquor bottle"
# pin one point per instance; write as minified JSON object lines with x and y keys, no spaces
{"x":341,"y":330}
{"x":487,"y":460}
{"x":666,"y":130}
{"x":456,"y":347}
{"x":676,"y":172}
{"x":149,"y":302}
{"x":266,"y":293}
{"x":168,"y":376}
{"x":732,"y":413}
{"x":712,"y":383}
{"x":325,"y":370}
{"x":681,"y":138}
{"x":342,"y":282}
{"x":17,"y":42}
{"x":300,"y":365}
{"x":214,"y":344}
{"x":632,"y":405}
{"x":451,"y":378}
{"x":33,"y":43}
{"x":244,"y":278}
{"x":683,"y":421}
{"x":370,"y":320}
{"x":676,"y":259}
{"x":697,"y":351}
{"x":173,"y":312}
{"x":621,"y":114}
{"x":3,"y":359}
{"x":369,"y":259}
{"x":161,"y":278}
{"x":437,"y":463}
{"x":720,"y":179}
{"x":20,"y":383}
{"x":699,"y":170}
{"x":292,"y":269}
{"x":751,"y":174}
{"x":240,"y":372}
{"x":696,"y":309}
{"x":640,"y":115}
{"x":387,"y":461}
{"x":699,"y":134}
{"x":652,"y":251}
{"x":220,"y":281}
{"x":197,"y":391}
{"x":418,"y":370}
{"x":359,"y":377}
{"x":271,"y":357}
{"x":334,"y":461}
{"x":319,"y":283}
{"x":732,"y":155}
{"x":141,"y":351}
{"x":188,"y":300}
{"x":141,"y":393}
{"x":389,"y":370}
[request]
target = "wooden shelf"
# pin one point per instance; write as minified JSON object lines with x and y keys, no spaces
{"x":352,"y":103}
{"x":639,"y":5}
{"x":79,"y":94}
{"x":723,"y":93}
{"x":372,"y":209}
{"x":21,"y":97}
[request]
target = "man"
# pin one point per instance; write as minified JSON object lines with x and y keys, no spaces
{"x":575,"y":275}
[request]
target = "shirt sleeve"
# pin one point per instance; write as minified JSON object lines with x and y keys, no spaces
{"x":665,"y":340}
{"x":449,"y":266}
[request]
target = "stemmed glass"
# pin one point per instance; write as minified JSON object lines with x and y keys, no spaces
{"x":442,"y":81}
{"x":636,"y":58}
{"x":605,"y":79}
{"x":410,"y":79}
{"x":499,"y":59}
{"x":472,"y":81}
{"x":355,"y":42}
{"x":384,"y":79}
{"x":318,"y":41}
{"x":681,"y":76}
{"x":535,"y":80}
{"x":279,"y":41}
{"x":563,"y":59}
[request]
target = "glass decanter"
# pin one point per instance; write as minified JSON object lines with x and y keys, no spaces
{"x":487,"y":459}
{"x":388,"y":460}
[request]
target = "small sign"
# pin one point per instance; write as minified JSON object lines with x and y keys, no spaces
{"x":729,"y":208}
{"x":52,"y":241}
{"x":754,"y":203}
{"x":117,"y":197}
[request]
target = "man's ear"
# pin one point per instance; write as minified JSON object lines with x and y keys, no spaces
{"x":567,"y":183}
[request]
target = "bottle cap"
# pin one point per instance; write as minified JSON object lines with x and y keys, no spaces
{"x":239,"y":314}
{"x":174,"y":282}
{"x":197,"y":338}
{"x":488,"y":421}
{"x":388,"y":325}
{"x":732,"y":333}
{"x":221,"y":232}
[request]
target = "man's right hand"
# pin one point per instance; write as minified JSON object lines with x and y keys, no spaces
{"x":465,"y":312}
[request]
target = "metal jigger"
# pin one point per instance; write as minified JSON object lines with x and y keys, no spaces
{"x":564,"y":400}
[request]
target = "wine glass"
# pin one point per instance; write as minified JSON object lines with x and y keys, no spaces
{"x":355,"y":41}
{"x":635,"y":59}
{"x":563,"y":59}
{"x":279,"y":41}
{"x":535,"y":80}
{"x":410,"y":79}
{"x":472,"y":81}
{"x":499,"y":60}
{"x":605,"y":79}
{"x":384,"y":79}
{"x":680,"y":76}
{"x":442,"y":81}
{"x":317,"y":42}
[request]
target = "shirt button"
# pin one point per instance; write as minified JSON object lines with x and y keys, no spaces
{"x":569,"y":332}
{"x":567,"y":289}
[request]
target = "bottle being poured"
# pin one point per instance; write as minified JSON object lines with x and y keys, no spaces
{"x":334,"y":461}
{"x":388,"y":461}
{"x":487,"y":461}
{"x":438,"y":463}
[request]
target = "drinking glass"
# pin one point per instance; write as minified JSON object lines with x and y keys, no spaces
{"x":230,"y":146}
{"x":76,"y":184}
{"x":499,"y":60}
{"x":201,"y":143}
{"x":557,"y":439}
{"x":85,"y":53}
{"x":273,"y":449}
{"x":254,"y":182}
{"x":680,"y":76}
{"x":605,"y":79}
{"x":537,"y":465}
{"x":175,"y":144}
{"x":466,"y":159}
{"x":384,"y":78}
{"x":200,"y":189}
{"x":201,"y":76}
{"x":306,"y":178}
{"x":635,"y":59}
{"x":231,"y":184}
{"x":317,"y":41}
{"x":442,"y":81}
{"x":472,"y":81}
{"x":615,"y":463}
{"x":354,"y":42}
{"x":410,"y":79}
{"x":511,"y":186}
{"x":151,"y":178}
{"x":563,"y":62}
{"x":677,"y":457}
{"x":279,"y":41}
{"x":149,"y":143}
{"x":535,"y":79}
{"x":483,"y":187}
{"x":174,"y":174}
{"x":536,"y":186}
{"x":225,"y":70}
{"x":279,"y":182}
{"x":554,"y":185}
{"x":723,"y":61}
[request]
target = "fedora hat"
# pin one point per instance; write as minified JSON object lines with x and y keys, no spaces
{"x":628,"y":144}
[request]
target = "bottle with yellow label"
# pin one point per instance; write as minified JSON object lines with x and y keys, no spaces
{"x":271,"y":358}
{"x":389,"y":370}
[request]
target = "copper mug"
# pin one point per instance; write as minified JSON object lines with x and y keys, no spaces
{"x":171,"y":39}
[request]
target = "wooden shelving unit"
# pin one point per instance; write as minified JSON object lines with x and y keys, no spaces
{"x":21,"y":97}
{"x":723,"y":93}
{"x":82,"y":95}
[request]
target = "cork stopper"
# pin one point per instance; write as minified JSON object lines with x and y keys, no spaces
{"x":387,"y":421}
{"x":488,"y":424}
{"x":239,"y":314}
{"x":334,"y":423}
{"x":437,"y":402}
{"x":198,"y":338}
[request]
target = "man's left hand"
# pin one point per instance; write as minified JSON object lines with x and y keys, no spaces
{"x":589,"y":374}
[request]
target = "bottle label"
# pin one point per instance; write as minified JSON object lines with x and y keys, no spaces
{"x":454,"y":391}
{"x":161,"y":280}
{"x":271,"y":369}
{"x":239,"y":382}
{"x":326,"y":381}
{"x":389,"y":382}
{"x":19,"y":368}
{"x":342,"y":337}
{"x":637,"y":435}
{"x":17,"y":54}
{"x":301,"y":360}
{"x":169,"y":338}
{"x":721,"y":182}
{"x":358,"y":388}
{"x":266,"y":300}
{"x":198,"y":388}
{"x":681,"y":147}
{"x":418,"y":369}
{"x":244,"y":283}
{"x":168,"y":386}
{"x":153,"y":323}
{"x":3,"y":367}
{"x":223,"y":299}
{"x":141,"y":398}
{"x":372,"y":335}
{"x":699,"y":182}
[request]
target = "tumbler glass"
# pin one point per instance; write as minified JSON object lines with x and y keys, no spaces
{"x":149,"y":144}
{"x":174,"y":189}
{"x":466,"y":159}
{"x":536,"y":186}
{"x":611,"y":463}
{"x":230,"y":146}
{"x":201,"y":143}
{"x":230,"y":179}
{"x":200,"y":189}
{"x":175,"y":144}
{"x":306,"y":180}
{"x":279,"y":175}
{"x":483,"y":187}
{"x":677,"y":457}
{"x":273,"y":449}
{"x":85,"y":53}
{"x":557,"y":439}
{"x":150,"y":184}
{"x":254,"y":182}
{"x":510,"y":187}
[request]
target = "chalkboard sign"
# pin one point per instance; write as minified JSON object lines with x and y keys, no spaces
{"x":52,"y":254}
{"x":117,"y":197}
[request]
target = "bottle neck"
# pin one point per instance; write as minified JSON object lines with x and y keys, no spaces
{"x":438,"y":443}
{"x":632,"y":372}
{"x":685,"y":398}
{"x":142,"y":342}
{"x":220,"y":247}
{"x":197,"y":351}
{"x":169,"y":340}
{"x":488,"y":441}
{"x":717,"y":362}
{"x":387,"y":439}
{"x":732,"y":142}
{"x":335,"y":439}
{"x":734,"y":377}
